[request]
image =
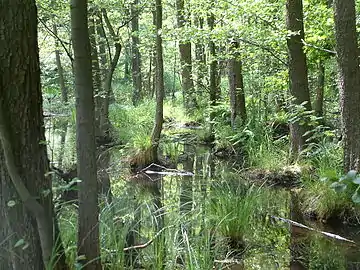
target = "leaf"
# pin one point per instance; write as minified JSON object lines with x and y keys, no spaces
{"x":351,"y":174}
{"x":356,"y":180}
{"x":11,"y":203}
{"x":19,"y":243}
{"x":356,"y":196}
{"x":25,"y":246}
{"x":338,"y":187}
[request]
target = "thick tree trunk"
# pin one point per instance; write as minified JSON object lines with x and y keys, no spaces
{"x":159,"y":83}
{"x":135,"y":56}
{"x":236,"y":86}
{"x":26,"y":205}
{"x":185,"y":61}
{"x":319,"y":100}
{"x":297,"y":71}
{"x":88,"y":236}
{"x":348,"y":60}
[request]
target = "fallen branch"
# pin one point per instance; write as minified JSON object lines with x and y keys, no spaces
{"x":148,"y":243}
{"x":297,"y":224}
{"x":168,"y":171}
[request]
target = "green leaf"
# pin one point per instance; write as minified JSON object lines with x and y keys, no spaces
{"x":356,"y":196}
{"x":357,"y":180}
{"x":11,"y":203}
{"x":19,"y":243}
{"x":338,"y":187}
{"x":351,"y":174}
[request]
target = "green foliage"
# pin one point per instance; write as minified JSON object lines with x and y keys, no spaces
{"x":349,"y":183}
{"x":133,"y":124}
{"x":232,"y":208}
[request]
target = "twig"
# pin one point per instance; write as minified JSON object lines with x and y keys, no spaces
{"x":264,"y":48}
{"x":59,"y":39}
{"x":318,"y":48}
{"x":148,"y":243}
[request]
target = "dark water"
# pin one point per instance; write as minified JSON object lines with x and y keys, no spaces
{"x":214,"y":219}
{"x":265,"y":243}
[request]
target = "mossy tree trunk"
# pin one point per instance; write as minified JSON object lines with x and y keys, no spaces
{"x":298,"y":73}
{"x":319,"y":99}
{"x":88,"y":234}
{"x":185,"y":59}
{"x":135,"y":53}
{"x":26,"y":207}
{"x":213,"y":73}
{"x":159,"y":83}
{"x":236,"y":85}
{"x":348,"y":61}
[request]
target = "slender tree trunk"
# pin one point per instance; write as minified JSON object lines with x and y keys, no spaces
{"x":185,"y":60}
{"x":159,"y":86}
{"x":96,"y":75}
{"x":26,"y":206}
{"x":213,"y":72}
{"x":105,"y":123}
{"x":297,"y":71}
{"x":63,"y":89}
{"x":236,"y":85}
{"x":200,"y":58}
{"x":88,"y":236}
{"x":319,"y":100}
{"x":135,"y":56}
{"x":348,"y":61}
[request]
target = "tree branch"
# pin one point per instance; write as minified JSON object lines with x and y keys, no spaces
{"x":59,"y":39}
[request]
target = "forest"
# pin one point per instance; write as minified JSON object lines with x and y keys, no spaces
{"x":179,"y":134}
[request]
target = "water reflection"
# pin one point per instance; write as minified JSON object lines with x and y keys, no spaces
{"x":181,"y":208}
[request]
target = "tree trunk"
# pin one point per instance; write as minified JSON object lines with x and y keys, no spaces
{"x":63,"y":89}
{"x":135,"y":56}
{"x":26,"y":205}
{"x":185,"y":60}
{"x":200,"y":59}
{"x":96,"y":75}
{"x":348,"y":61}
{"x":297,"y":71}
{"x":236,"y":85}
{"x":159,"y":84}
{"x":213,"y":73}
{"x":88,"y":236}
{"x":105,"y":124}
{"x":319,"y":100}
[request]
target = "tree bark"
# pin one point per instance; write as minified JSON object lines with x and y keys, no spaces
{"x":213,"y":72}
{"x":63,"y":89}
{"x":185,"y":60}
{"x":26,"y":198}
{"x":319,"y":100}
{"x":88,"y":235}
{"x":135,"y":54}
{"x":105,"y":123}
{"x":349,"y":81}
{"x":96,"y":76}
{"x":200,"y":59}
{"x":159,"y":84}
{"x":236,"y":85}
{"x":297,"y":71}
